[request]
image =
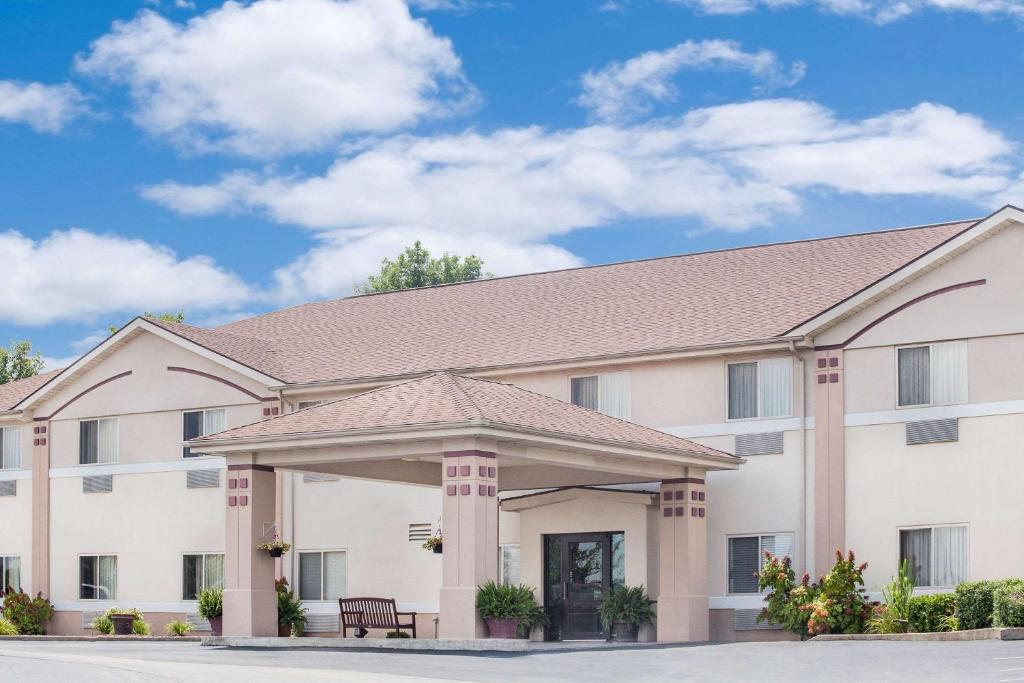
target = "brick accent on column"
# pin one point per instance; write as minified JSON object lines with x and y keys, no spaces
{"x":829,"y":459}
{"x":683,"y":571}
{"x":469,"y":524}
{"x":41,"y":508}
{"x":250,"y":602}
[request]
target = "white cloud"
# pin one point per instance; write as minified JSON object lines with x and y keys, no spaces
{"x":631,"y":87}
{"x":882,"y":11}
{"x":46,"y":108}
{"x":77,"y":275}
{"x":279,"y":76}
{"x":510,"y":191}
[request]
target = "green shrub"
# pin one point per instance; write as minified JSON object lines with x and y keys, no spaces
{"x":178,"y":628}
{"x":29,"y":615}
{"x":505,"y":601}
{"x":397,"y":634}
{"x":932,"y":613}
{"x":102,"y":625}
{"x":894,"y":615}
{"x":7,"y":628}
{"x":628,"y":604}
{"x":1008,"y":604}
{"x":974,"y":604}
{"x":290,"y":611}
{"x":211,"y":603}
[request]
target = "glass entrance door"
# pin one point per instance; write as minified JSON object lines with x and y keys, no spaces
{"x":580,"y":569}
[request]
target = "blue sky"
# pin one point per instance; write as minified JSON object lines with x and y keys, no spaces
{"x":232,"y":159}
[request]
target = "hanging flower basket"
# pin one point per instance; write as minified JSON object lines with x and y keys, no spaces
{"x":434,"y":543}
{"x":276,"y":548}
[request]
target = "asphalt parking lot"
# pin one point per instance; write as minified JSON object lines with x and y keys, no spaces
{"x":111,"y":662}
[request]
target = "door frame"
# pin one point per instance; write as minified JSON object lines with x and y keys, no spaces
{"x":555,"y":603}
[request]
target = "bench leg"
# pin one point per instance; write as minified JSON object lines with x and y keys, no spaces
{"x":361,"y":632}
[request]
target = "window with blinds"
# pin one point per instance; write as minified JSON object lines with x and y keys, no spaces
{"x":937,"y":556}
{"x":10,"y":573}
{"x":97,"y":577}
{"x":932,"y":374}
{"x":508,"y":565}
{"x":10,"y":448}
{"x":607,"y":393}
{"x":200,"y":571}
{"x":322,"y":575}
{"x":97,"y":441}
{"x":746,"y":557}
{"x":761,"y":388}
{"x":197,"y":423}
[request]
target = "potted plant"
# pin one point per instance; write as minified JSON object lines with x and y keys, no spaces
{"x":276,"y":548}
{"x":624,"y":609}
{"x":435,"y":543}
{"x":211,"y":608}
{"x":503,"y":608}
{"x":122,"y":622}
{"x":291,"y":615}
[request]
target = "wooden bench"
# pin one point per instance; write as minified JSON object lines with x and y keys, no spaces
{"x":361,"y":614}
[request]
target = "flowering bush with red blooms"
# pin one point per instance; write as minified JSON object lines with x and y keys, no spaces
{"x":29,"y":615}
{"x":834,"y":604}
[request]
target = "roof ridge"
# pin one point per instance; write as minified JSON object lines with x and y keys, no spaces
{"x":462,"y":390}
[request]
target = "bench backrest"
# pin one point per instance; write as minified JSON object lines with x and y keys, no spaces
{"x":369,"y":612}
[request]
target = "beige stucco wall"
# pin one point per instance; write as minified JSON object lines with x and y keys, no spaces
{"x":16,"y":511}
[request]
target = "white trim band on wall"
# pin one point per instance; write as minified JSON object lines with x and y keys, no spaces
{"x":185,"y":465}
{"x":12,"y":475}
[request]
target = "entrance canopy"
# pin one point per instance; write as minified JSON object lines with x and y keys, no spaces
{"x":401,"y":433}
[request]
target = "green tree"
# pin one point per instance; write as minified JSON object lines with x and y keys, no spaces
{"x":178,"y":317}
{"x":415,"y":268}
{"x":18,"y":362}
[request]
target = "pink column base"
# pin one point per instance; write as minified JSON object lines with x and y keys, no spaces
{"x":682,"y":619}
{"x":250,"y":612}
{"x":460,"y":620}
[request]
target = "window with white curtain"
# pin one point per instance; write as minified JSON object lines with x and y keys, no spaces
{"x":97,"y":442}
{"x":201,"y":571}
{"x":508,"y":566}
{"x":197,"y":423}
{"x":937,"y":556}
{"x":322,"y":575}
{"x":97,"y":577}
{"x":932,"y":374}
{"x":607,"y":393}
{"x":10,"y":448}
{"x":761,"y":388}
{"x":10,"y":573}
{"x":746,"y":557}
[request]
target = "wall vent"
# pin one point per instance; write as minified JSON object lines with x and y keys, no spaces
{"x":103,"y":483}
{"x":9,"y":488}
{"x":323,"y":623}
{"x":313,"y":477}
{"x":746,"y":620}
{"x":767,"y":443}
{"x":197,"y":622}
{"x":202,"y":479}
{"x":418,"y":533}
{"x":933,"y":431}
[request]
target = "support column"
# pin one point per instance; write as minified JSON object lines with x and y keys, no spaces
{"x":469,"y":524}
{"x":829,"y":459}
{"x":683,"y":554}
{"x":40,"y":509}
{"x":250,"y":602}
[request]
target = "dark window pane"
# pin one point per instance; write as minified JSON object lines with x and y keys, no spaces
{"x":193,"y":429}
{"x":584,"y":391}
{"x":915,"y":376}
{"x":87,"y":442}
{"x":742,"y":390}
{"x":192,"y":570}
{"x":916,"y":548}
{"x":87,"y":578}
{"x":743,"y":564}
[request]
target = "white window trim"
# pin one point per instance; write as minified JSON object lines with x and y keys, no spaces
{"x":184,"y":444}
{"x":629,"y":397}
{"x":6,"y":429}
{"x":117,"y":441}
{"x":181,"y":568}
{"x":760,"y":417}
{"x":78,"y":582}
{"x":931,"y":569}
{"x":297,"y":571}
{"x":760,"y":554}
{"x":896,"y":378}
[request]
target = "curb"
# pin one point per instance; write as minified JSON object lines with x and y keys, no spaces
{"x":947,"y":636}
{"x":103,"y":639}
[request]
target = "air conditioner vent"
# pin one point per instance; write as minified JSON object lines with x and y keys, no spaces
{"x":418,"y":533}
{"x":202,"y":479}
{"x":746,"y":620}
{"x":933,"y":431}
{"x":323,"y":623}
{"x":9,"y":488}
{"x":766,"y":443}
{"x":314,"y":477}
{"x":103,"y":483}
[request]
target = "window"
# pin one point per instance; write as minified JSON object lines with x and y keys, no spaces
{"x":746,"y":555}
{"x":932,"y":374}
{"x":308,"y":404}
{"x":200,"y":572}
{"x":322,"y":576}
{"x":197,"y":423}
{"x":508,"y":565}
{"x":10,"y":573}
{"x":97,"y":442}
{"x":97,"y":577}
{"x":10,"y":448}
{"x":937,"y":556}
{"x":607,"y":393}
{"x":761,"y":389}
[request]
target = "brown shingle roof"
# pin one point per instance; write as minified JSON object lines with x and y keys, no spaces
{"x":446,"y":399}
{"x":12,"y":393}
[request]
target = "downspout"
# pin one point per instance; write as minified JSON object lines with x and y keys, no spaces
{"x":803,"y":452}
